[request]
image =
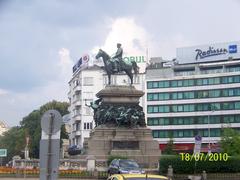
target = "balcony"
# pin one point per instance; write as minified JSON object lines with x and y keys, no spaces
{"x":78,"y":133}
{"x":77,"y":118}
{"x":69,"y":94}
{"x":78,"y":103}
{"x":77,"y":89}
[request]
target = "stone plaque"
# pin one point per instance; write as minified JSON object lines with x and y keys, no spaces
{"x":132,"y":145}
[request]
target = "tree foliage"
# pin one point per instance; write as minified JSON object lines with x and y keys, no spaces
{"x":14,"y":139}
{"x":169,"y":148}
{"x":230,"y":141}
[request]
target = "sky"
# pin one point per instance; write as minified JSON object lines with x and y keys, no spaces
{"x":40,"y":40}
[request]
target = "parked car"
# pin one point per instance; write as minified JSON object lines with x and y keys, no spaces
{"x":136,"y":177}
{"x":74,"y":150}
{"x":124,"y":166}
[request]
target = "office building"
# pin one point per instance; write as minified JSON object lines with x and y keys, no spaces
{"x":196,"y":94}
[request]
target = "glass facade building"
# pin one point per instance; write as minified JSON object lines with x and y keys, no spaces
{"x":185,"y":100}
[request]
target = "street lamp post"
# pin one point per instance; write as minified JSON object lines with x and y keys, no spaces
{"x":209,"y":146}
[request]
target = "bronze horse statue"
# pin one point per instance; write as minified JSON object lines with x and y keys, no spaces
{"x":122,"y":66}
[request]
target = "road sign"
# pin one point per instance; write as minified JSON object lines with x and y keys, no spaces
{"x":51,"y":122}
{"x":198,"y":143}
{"x":3,"y":152}
{"x":56,"y":121}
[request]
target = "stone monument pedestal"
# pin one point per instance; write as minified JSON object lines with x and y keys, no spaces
{"x":134,"y":143}
{"x":121,"y":129}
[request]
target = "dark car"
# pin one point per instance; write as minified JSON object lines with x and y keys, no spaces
{"x":74,"y":150}
{"x":124,"y":166}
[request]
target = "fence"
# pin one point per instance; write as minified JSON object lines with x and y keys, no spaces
{"x":101,"y":164}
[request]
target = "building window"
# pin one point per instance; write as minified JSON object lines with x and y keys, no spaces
{"x":203,"y":132}
{"x":228,"y":106}
{"x":179,"y":95}
{"x":163,"y":121}
{"x":149,"y":85}
{"x":163,"y":84}
{"x":155,"y":97}
{"x":188,"y":95}
{"x":188,"y":82}
{"x":214,"y":119}
{"x":88,"y":81}
{"x":236,"y":79}
{"x":163,"y":134}
{"x":237,"y":105}
{"x":164,"y":96}
{"x":237,"y":118}
{"x":149,"y":96}
{"x":155,"y":134}
{"x":202,"y":120}
{"x":174,"y":95}
{"x":155,"y":84}
{"x":228,"y":119}
{"x":163,"y":109}
{"x":174,"y":83}
{"x":155,"y":109}
{"x":180,"y":108}
{"x":214,"y":93}
{"x":149,"y":109}
{"x":215,"y":133}
{"x":155,"y":121}
{"x":233,"y":68}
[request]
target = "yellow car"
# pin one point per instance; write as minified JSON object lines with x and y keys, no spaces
{"x":136,"y":177}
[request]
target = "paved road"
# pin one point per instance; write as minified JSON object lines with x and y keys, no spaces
{"x":38,"y":179}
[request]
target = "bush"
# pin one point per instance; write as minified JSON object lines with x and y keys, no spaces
{"x":187,"y":167}
{"x":110,"y":158}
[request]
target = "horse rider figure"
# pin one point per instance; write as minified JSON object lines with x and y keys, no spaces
{"x":117,"y":58}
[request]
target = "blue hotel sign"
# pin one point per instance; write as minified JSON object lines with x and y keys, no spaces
{"x":211,"y":51}
{"x":83,"y":60}
{"x":232,"y":49}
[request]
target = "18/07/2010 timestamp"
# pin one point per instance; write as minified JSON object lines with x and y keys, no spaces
{"x":204,"y":157}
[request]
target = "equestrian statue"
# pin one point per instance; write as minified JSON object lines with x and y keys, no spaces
{"x":116,"y":64}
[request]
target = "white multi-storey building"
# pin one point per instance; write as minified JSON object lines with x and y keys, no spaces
{"x":201,"y":96}
{"x":84,"y":86}
{"x":3,"y":127}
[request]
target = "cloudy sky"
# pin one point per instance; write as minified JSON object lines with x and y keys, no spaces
{"x":41,"y":40}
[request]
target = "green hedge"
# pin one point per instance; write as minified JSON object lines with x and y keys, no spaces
{"x":187,"y":167}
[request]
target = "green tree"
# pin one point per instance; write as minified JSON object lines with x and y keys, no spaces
{"x":31,"y":124}
{"x":230,"y":141}
{"x":169,"y":147}
{"x":13,"y":140}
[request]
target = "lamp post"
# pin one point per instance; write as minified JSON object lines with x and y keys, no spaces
{"x":209,"y":146}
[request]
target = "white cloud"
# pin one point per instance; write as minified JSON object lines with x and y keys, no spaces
{"x":166,"y":48}
{"x":3,"y":92}
{"x":15,"y":105}
{"x":133,"y":37}
{"x":65,"y":63}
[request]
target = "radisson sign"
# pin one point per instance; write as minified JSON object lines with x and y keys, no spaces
{"x":213,"y":52}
